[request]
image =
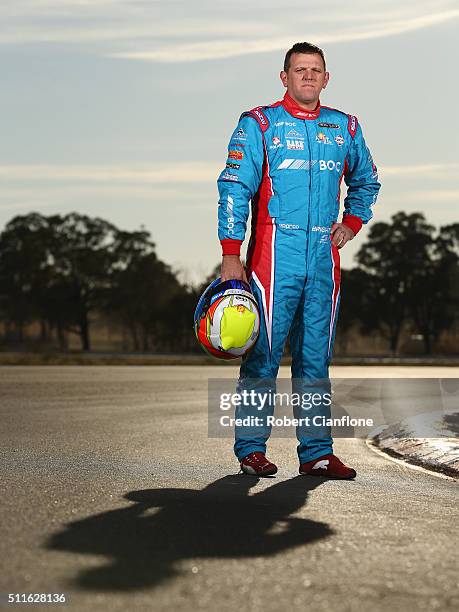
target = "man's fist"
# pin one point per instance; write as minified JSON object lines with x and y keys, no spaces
{"x":340,"y":234}
{"x":232,"y":268}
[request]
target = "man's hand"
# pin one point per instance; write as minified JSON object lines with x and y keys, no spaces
{"x":232,"y":268}
{"x":341,"y":234}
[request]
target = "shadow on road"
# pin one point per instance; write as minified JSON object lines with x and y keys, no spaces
{"x":164,"y":526}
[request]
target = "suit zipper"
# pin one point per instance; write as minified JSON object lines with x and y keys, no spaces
{"x":308,"y":230}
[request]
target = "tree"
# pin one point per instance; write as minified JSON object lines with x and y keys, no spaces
{"x":24,"y":255}
{"x":390,"y":256}
{"x":54,"y":269}
{"x":356,"y":304}
{"x":82,"y":257}
{"x":410,"y":272}
{"x":432,"y":293}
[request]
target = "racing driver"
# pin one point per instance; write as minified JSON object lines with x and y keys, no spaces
{"x":288,"y":160}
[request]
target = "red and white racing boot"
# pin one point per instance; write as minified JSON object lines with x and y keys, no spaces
{"x":328,"y":466}
{"x":256,"y":464}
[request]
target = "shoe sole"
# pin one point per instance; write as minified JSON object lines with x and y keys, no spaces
{"x":246,"y":469}
{"x":351,"y":477}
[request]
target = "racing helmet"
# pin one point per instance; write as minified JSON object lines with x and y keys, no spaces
{"x":226,"y":319}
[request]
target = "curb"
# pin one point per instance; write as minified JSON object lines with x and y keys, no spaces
{"x":439,"y":451}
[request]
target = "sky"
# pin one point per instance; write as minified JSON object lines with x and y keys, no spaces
{"x":123,"y":109}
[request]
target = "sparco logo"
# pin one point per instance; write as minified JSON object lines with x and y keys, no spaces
{"x":260,"y":117}
{"x":288,"y":226}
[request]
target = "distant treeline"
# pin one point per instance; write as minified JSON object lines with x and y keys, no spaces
{"x":58,"y":271}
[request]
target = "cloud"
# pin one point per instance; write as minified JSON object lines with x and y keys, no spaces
{"x":180,"y":172}
{"x":421,"y":170}
{"x":426,"y":195}
{"x":151,"y":31}
{"x":220,"y":49}
{"x":176,"y":173}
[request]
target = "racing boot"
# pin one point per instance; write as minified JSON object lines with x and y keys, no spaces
{"x":327,"y":466}
{"x":256,"y":464}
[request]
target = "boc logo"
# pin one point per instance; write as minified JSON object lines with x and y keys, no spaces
{"x":329,"y":165}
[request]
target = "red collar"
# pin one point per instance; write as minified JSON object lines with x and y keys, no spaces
{"x":294,"y":109}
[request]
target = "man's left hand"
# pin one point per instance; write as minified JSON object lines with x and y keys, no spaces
{"x":340,"y":234}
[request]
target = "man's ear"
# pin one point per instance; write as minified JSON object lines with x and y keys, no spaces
{"x":283,"y":78}
{"x":327,"y":78}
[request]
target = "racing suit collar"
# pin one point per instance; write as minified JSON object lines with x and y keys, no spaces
{"x":294,"y":109}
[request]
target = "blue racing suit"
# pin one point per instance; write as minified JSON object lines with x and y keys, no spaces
{"x":289,"y":163}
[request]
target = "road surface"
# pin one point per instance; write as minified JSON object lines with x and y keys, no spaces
{"x":113,"y":494}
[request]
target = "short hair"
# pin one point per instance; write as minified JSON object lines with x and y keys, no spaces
{"x":303,"y":47}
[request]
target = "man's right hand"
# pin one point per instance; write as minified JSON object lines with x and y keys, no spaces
{"x":232,"y":268}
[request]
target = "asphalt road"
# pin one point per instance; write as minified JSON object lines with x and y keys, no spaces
{"x":112,"y":493}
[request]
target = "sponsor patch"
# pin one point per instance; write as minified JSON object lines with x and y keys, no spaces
{"x":323,"y":139}
{"x":276,"y":143}
{"x":339,"y":140}
{"x":335,"y":126}
{"x":241,"y":135}
{"x":233,"y":154}
{"x":304,"y":114}
{"x":297,"y":164}
{"x":329,"y":165}
{"x":288,"y":226}
{"x":295,"y":135}
{"x":260,"y":116}
{"x":286,"y":123}
{"x":296,"y":145}
{"x":320,"y":228}
{"x":227,"y":176}
{"x":233,"y":166}
{"x":352,"y":125}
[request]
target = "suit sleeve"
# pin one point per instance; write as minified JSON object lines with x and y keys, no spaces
{"x":238,"y":183}
{"x":361,"y":177}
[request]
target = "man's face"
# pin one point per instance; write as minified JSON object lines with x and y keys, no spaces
{"x":305,"y":79}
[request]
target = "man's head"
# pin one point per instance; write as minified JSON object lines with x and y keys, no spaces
{"x":304,"y":74}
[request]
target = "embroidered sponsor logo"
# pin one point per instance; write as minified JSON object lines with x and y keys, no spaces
{"x":307,"y":115}
{"x":297,"y":145}
{"x":230,"y":218}
{"x":234,"y":166}
{"x":322,"y":138}
{"x":238,"y":144}
{"x":260,"y":116}
{"x":329,"y":125}
{"x":352,"y":124}
{"x":276,"y":143}
{"x":288,"y":226}
{"x":233,"y":154}
{"x":320,"y":228}
{"x":295,"y":135}
{"x":227,"y":176}
{"x":240,"y":134}
{"x":286,"y":123}
{"x":339,"y":140}
{"x":297,"y":164}
{"x":329,"y":165}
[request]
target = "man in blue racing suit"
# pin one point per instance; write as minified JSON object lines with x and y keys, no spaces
{"x":288,"y":160}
